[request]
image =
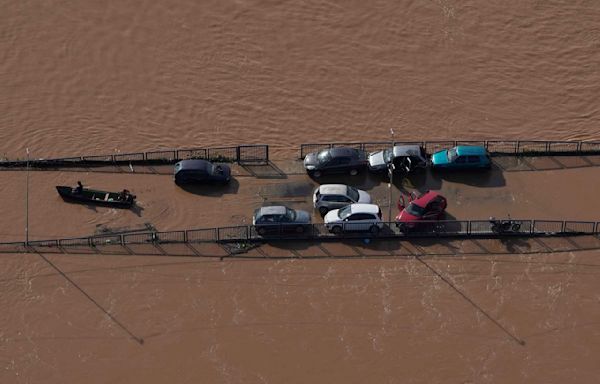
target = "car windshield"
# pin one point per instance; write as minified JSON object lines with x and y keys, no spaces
{"x":353,"y":193}
{"x":387,"y":155}
{"x":415,"y":210}
{"x":324,"y":156}
{"x":290,"y":214}
{"x":452,"y":154}
{"x":344,"y":212}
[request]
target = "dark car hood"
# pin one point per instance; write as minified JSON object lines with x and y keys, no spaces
{"x":311,"y":159}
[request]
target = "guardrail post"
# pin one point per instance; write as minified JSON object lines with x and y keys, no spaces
{"x":469,"y":227}
{"x":121,"y":240}
{"x":185,"y":236}
{"x":532,"y":229}
{"x":578,"y":146}
{"x":517,"y":147}
{"x":548,"y":146}
{"x":247,"y":232}
{"x":562,"y":228}
{"x":237,"y":153}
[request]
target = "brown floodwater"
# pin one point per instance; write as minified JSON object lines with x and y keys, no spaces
{"x":92,"y":77}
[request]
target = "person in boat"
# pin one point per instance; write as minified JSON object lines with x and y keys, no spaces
{"x":79,"y":188}
{"x":124,"y":195}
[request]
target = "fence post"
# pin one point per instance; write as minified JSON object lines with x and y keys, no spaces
{"x":185,"y":236}
{"x":517,"y":147}
{"x":267,"y":146}
{"x":237,"y":153}
{"x":247,"y":232}
{"x":532,"y":229}
{"x":469,"y":227}
{"x":562,"y":228}
{"x":548,"y":146}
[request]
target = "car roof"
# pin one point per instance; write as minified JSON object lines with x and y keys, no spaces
{"x":407,"y":150}
{"x":463,"y":150}
{"x":272,"y":210}
{"x":195,"y":164}
{"x":333,"y":189}
{"x":425,"y":198}
{"x":343,"y":151}
{"x":364,"y":208}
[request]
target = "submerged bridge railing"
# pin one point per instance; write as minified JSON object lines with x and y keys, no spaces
{"x":243,"y":154}
{"x":318,"y":232}
{"x":495,"y":147}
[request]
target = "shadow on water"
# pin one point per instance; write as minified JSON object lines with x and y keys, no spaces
{"x":212,"y":189}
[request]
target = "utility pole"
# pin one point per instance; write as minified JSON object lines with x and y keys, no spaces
{"x":27,"y":202}
{"x":390,"y":166}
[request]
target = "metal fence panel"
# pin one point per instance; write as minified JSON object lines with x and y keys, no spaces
{"x":128,"y":157}
{"x":253,"y":153}
{"x":563,"y":146}
{"x":579,"y":226}
{"x":432,"y":147}
{"x":170,"y":237}
{"x":480,"y":143}
{"x":225,"y":154}
{"x":358,"y":146}
{"x":14,"y":247}
{"x":589,"y":146}
{"x":43,"y":243}
{"x":201,"y":235}
{"x":502,"y":147}
{"x":98,"y":158}
{"x":377,"y":146}
{"x":232,"y":233}
{"x":81,"y":241}
{"x":547,"y":226}
{"x":193,"y":153}
{"x":139,"y":238}
{"x":105,"y":240}
{"x":537,"y":147}
{"x":166,"y":156}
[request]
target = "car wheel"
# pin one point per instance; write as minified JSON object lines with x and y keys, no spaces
{"x":353,"y":172}
{"x":516,"y":227}
{"x":374,"y":230}
{"x":317,"y":174}
{"x":300,"y":229}
{"x":336,"y":230}
{"x":262,"y":231}
{"x":323,"y":211}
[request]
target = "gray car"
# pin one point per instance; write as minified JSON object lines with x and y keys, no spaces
{"x":404,"y":157}
{"x":278,"y":219}
{"x":333,"y":196}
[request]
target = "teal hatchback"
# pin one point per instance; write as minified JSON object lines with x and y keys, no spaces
{"x":462,"y":157}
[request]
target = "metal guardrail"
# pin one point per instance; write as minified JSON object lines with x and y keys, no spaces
{"x":495,"y":147}
{"x":242,"y":154}
{"x":249,"y":233}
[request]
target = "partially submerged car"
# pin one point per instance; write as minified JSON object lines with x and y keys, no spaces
{"x":335,"y":160}
{"x":280,"y":219}
{"x":405,"y":158}
{"x":462,"y":157}
{"x":354,"y":217}
{"x":201,"y":172}
{"x":426,"y":207}
{"x":334,"y":196}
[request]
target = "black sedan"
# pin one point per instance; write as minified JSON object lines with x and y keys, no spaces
{"x":201,"y":172}
{"x":335,"y":160}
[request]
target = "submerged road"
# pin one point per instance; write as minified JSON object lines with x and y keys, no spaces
{"x":511,"y":187}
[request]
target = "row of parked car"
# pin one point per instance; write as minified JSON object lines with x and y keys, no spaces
{"x":345,"y":208}
{"x":401,"y":158}
{"x":348,"y":209}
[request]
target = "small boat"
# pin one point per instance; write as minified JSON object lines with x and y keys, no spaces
{"x":92,"y":196}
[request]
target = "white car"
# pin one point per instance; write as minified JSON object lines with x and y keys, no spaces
{"x":332,"y":196}
{"x":354,"y":217}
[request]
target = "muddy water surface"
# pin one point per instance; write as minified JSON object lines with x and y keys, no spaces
{"x":107,"y":77}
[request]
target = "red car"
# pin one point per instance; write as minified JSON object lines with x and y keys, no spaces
{"x":429,"y":206}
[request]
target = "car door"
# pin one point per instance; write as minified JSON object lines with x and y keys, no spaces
{"x":360,"y":222}
{"x":474,"y":161}
{"x":342,"y":164}
{"x":460,"y":162}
